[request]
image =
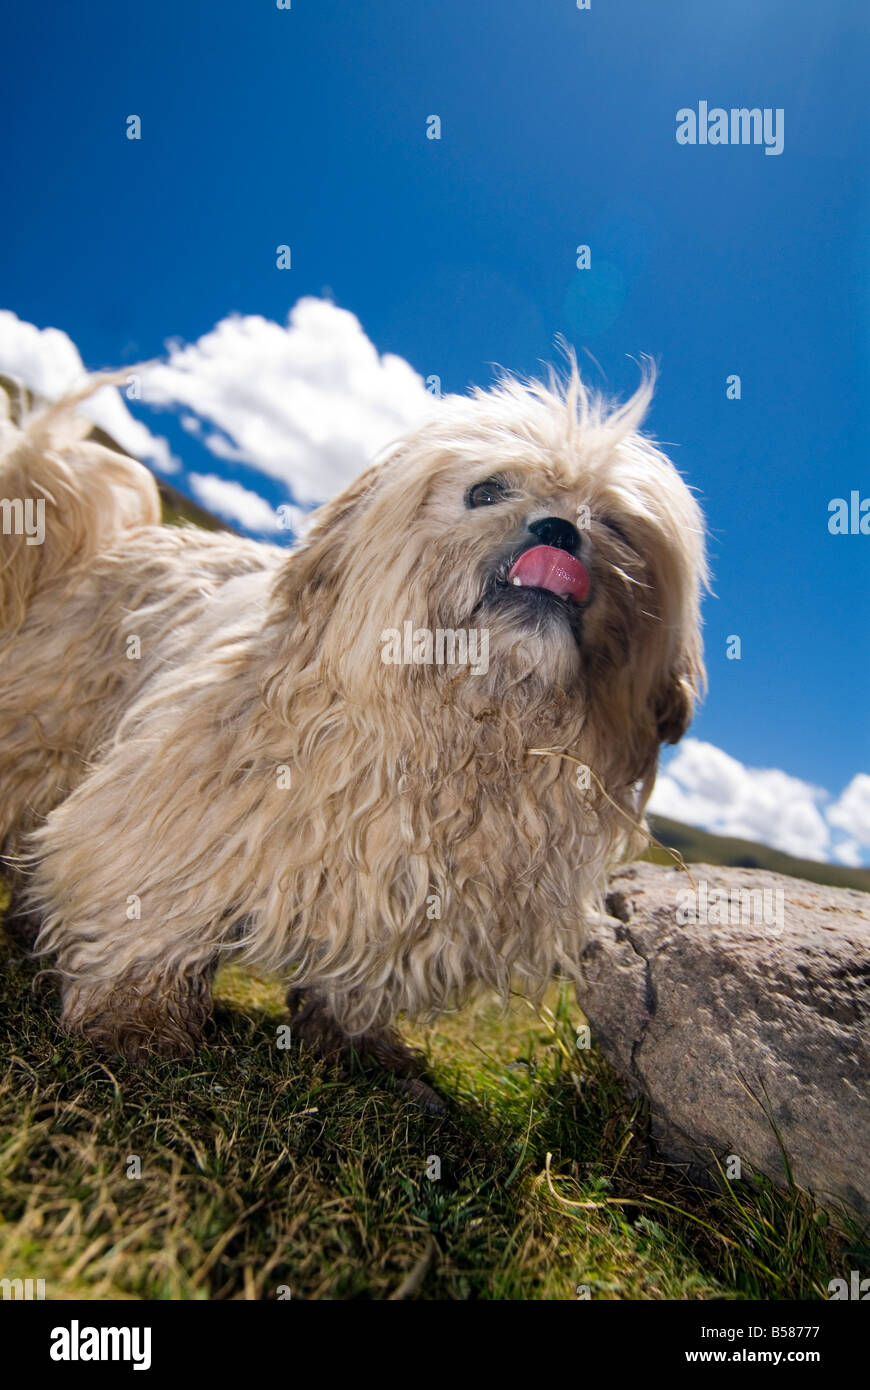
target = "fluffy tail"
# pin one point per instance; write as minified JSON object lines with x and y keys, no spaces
{"x":63,"y":497}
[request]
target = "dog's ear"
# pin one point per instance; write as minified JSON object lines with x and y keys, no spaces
{"x":313,"y":572}
{"x":674,"y":703}
{"x":673,"y":711}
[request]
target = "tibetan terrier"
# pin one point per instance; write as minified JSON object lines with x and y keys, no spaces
{"x":391,"y":764}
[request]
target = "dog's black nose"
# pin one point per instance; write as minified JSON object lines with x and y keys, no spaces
{"x":554,"y":530}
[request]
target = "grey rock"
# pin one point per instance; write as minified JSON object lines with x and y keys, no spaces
{"x":750,"y":1037}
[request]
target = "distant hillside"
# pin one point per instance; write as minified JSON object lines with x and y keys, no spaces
{"x":178,"y":508}
{"x":700,"y":846}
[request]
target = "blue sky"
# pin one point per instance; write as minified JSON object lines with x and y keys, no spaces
{"x":307,"y":127}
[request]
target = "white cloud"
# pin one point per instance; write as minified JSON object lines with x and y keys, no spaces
{"x":308,"y":403}
{"x":45,"y":359}
{"x":239,"y":505}
{"x":849,"y":852}
{"x":852,"y":811}
{"x":234,"y":503}
{"x":705,"y":786}
{"x":49,"y":363}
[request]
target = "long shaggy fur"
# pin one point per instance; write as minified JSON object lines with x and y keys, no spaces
{"x":257,"y":784}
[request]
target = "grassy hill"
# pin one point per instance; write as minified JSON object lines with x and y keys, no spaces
{"x":701,"y":847}
{"x":263,"y":1175}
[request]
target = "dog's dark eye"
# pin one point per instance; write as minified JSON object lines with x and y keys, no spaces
{"x":486,"y":494}
{"x":615,"y":528}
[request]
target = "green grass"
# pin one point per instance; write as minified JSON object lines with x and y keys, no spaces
{"x":259,"y":1170}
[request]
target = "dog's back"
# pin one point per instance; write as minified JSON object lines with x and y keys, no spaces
{"x":92,"y":603}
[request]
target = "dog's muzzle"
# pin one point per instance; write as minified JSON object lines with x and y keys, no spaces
{"x":553,"y":564}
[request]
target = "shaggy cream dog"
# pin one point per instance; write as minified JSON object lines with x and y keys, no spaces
{"x":216,"y":749}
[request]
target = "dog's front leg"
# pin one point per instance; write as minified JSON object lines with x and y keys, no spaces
{"x":20,"y":923}
{"x":139,"y":1016}
{"x":132,"y":918}
{"x":317,"y":1028}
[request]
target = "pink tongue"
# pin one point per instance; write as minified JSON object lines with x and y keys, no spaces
{"x":547,"y":567}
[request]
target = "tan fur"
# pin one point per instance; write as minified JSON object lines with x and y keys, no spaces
{"x":157,"y":781}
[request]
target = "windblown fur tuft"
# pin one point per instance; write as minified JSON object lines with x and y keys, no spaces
{"x":88,"y":495}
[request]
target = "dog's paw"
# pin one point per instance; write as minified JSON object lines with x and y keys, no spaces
{"x":421,"y":1094}
{"x":129,"y":1022}
{"x":134,"y":1041}
{"x":317,"y":1029}
{"x":22,"y":928}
